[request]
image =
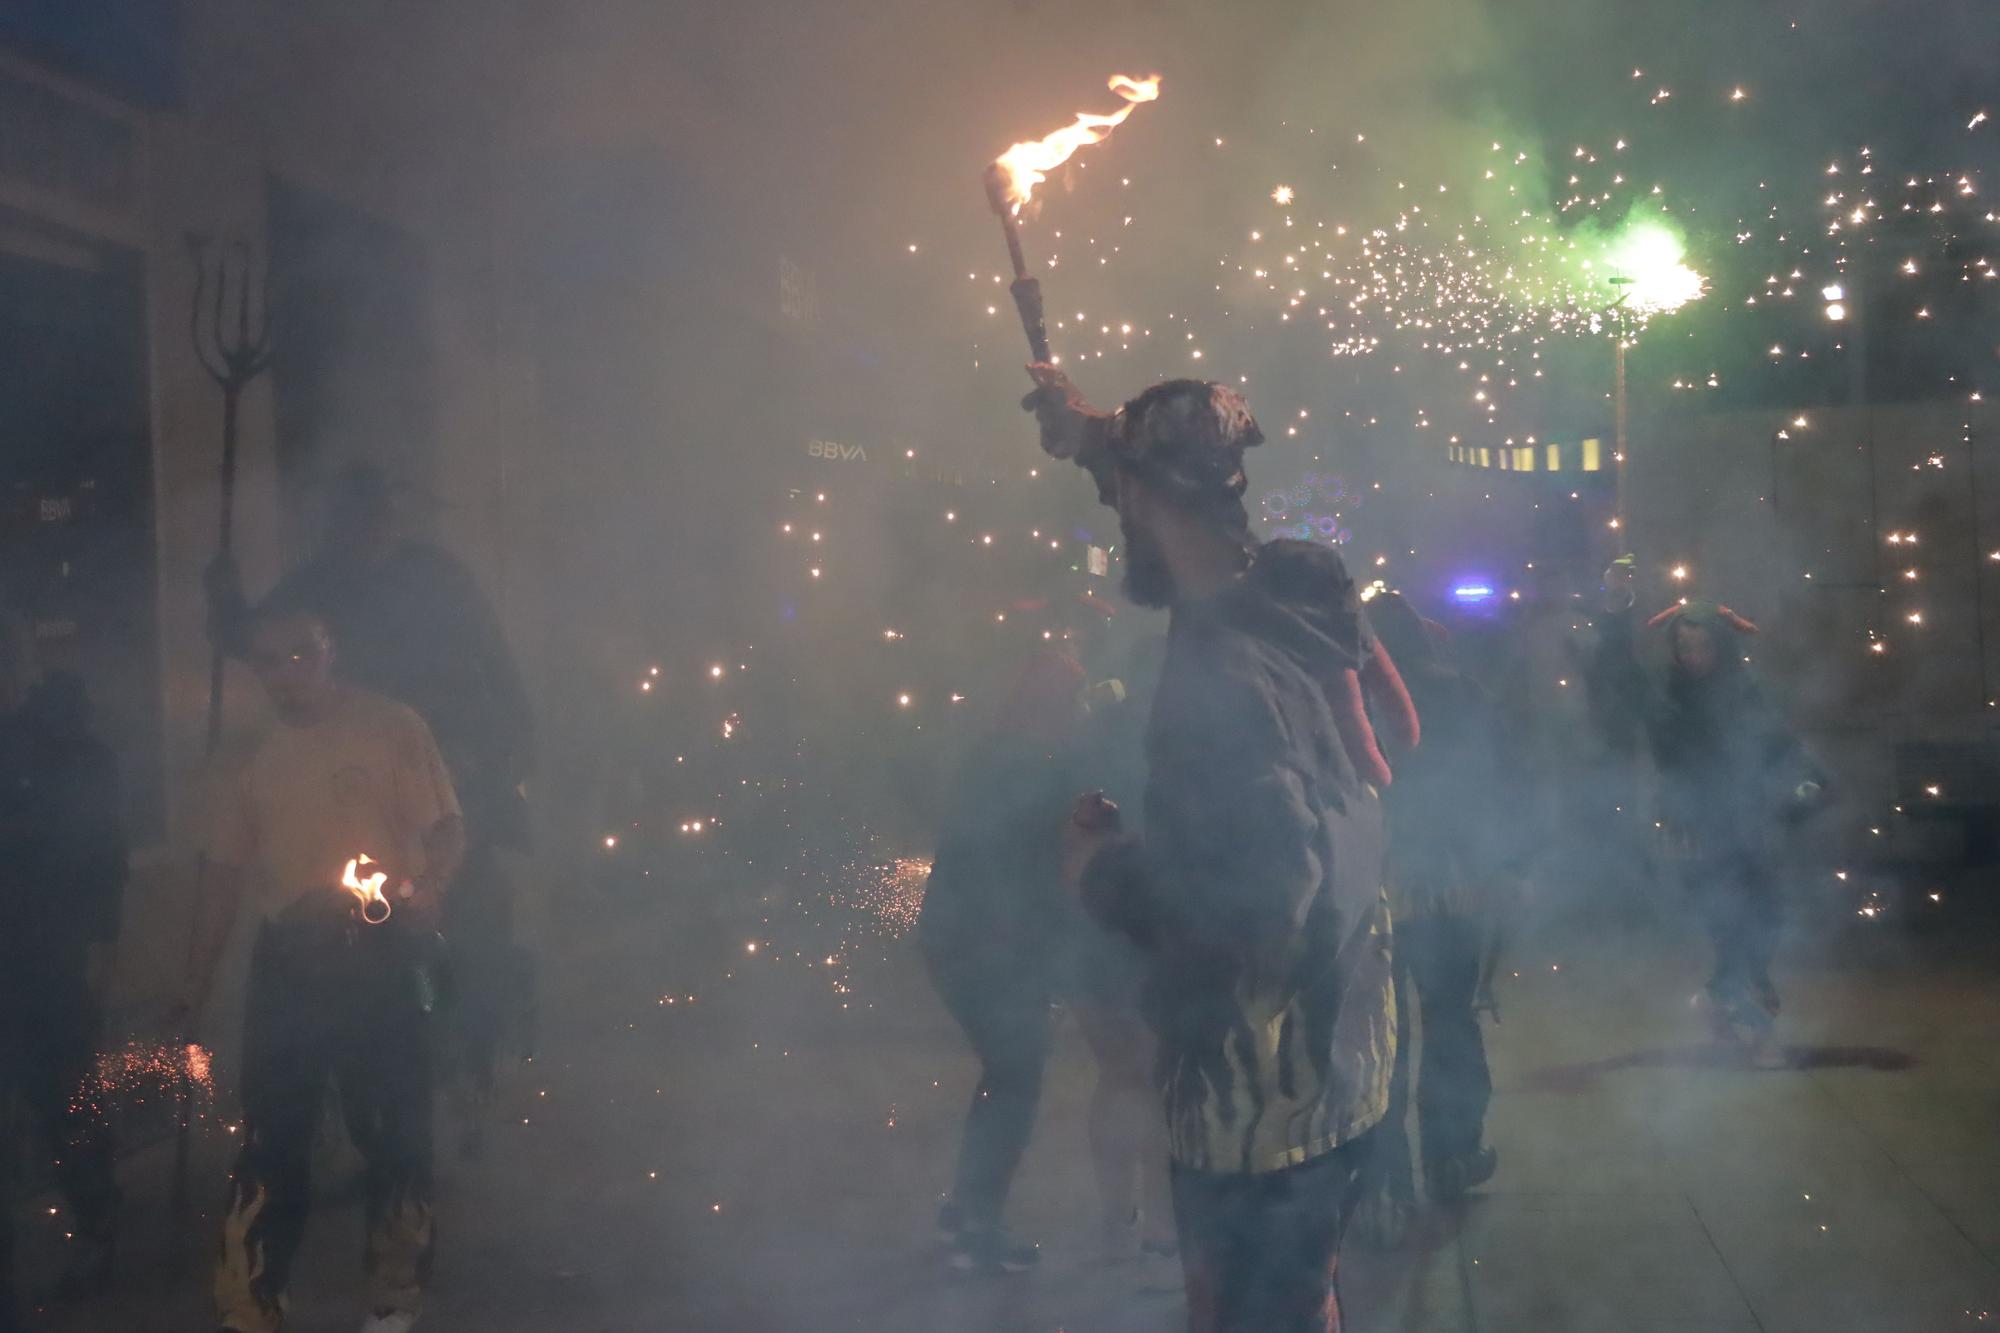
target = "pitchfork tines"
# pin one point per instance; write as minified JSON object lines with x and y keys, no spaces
{"x":232,"y":331}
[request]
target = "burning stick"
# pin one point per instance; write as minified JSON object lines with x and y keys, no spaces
{"x":374,"y":907}
{"x":1011,"y":181}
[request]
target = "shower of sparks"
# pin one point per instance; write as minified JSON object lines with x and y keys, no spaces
{"x":144,"y":1073}
{"x":889,"y":895}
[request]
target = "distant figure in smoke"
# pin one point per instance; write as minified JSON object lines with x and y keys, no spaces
{"x":1256,"y":888}
{"x":331,"y":999}
{"x":62,"y":877}
{"x":1454,"y":857}
{"x":1732,"y":774}
{"x":992,"y":929}
{"x":414,"y":627}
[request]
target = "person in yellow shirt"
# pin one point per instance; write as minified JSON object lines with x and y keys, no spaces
{"x":333,"y":995}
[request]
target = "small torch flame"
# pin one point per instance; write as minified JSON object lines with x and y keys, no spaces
{"x":1027,"y":165}
{"x":374,"y":907}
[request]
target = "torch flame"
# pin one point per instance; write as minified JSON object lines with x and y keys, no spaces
{"x":1027,"y":165}
{"x":374,"y":907}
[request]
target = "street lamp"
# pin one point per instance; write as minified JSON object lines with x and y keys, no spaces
{"x":1648,"y":269}
{"x":1619,"y":419}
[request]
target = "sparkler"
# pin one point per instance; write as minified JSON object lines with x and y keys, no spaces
{"x":1013,"y":176}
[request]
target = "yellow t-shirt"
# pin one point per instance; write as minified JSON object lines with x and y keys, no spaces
{"x":306,"y":799}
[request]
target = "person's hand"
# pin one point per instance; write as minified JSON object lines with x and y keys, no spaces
{"x":1064,"y":416}
{"x":419,"y":902}
{"x":1093,"y":824}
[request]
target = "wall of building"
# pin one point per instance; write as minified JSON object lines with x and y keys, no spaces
{"x":268,"y":94}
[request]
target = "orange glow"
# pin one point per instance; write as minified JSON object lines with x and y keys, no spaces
{"x":374,"y":907}
{"x":1028,"y":164}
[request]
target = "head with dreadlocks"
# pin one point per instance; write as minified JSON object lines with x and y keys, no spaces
{"x":1171,"y":462}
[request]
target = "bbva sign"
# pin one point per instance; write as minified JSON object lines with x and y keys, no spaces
{"x":840,"y":453}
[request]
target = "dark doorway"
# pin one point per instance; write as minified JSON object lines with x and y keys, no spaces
{"x":77,"y":579}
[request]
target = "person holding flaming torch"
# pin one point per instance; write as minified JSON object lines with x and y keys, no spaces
{"x":341,"y":826}
{"x":1256,"y":890}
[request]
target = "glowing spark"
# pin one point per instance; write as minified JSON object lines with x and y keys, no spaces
{"x":1282,"y":195}
{"x":163,"y":1071}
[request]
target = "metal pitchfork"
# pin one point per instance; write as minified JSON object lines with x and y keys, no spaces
{"x":231,"y":334}
{"x":233,"y":345}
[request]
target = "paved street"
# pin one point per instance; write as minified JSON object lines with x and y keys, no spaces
{"x":749,"y":1140}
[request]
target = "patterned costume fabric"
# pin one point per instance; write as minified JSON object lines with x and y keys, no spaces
{"x":1256,"y":890}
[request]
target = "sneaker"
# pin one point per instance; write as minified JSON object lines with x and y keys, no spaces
{"x":993,"y":1250}
{"x":390,"y":1321}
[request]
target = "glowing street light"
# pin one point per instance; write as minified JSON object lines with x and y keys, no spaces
{"x":1650,"y":259}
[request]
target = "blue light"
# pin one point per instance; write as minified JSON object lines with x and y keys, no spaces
{"x":1472,"y":592}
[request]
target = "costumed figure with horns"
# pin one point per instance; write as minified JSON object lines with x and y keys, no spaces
{"x":1254,"y":892}
{"x":1732,"y":776}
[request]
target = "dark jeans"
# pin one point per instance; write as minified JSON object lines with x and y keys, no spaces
{"x":1007,"y":1020}
{"x":1741,"y":905}
{"x":339,"y":1001}
{"x":1437,"y":964}
{"x":48,"y":1046}
{"x":1261,"y":1253}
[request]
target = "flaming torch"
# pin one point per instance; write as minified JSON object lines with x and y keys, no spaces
{"x":1012,"y":179}
{"x":367,"y":889}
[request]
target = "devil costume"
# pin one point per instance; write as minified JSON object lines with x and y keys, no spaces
{"x":1732,"y":774}
{"x":1256,"y":891}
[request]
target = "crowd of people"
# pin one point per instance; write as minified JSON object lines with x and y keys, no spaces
{"x":1309,"y":863}
{"x":1250,"y":867}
